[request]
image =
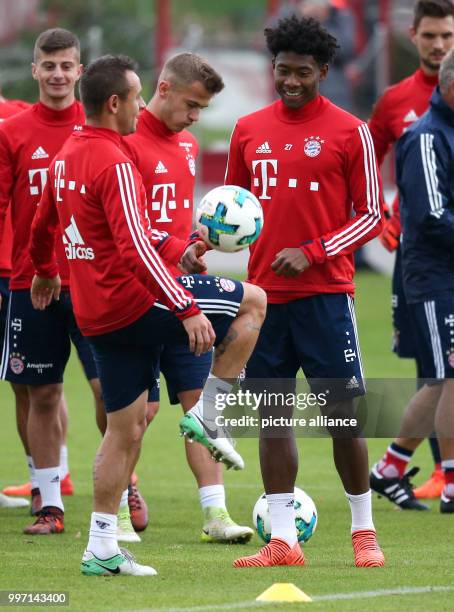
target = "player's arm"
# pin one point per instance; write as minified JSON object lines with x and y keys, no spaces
{"x":424,"y":165}
{"x":363,"y":178}
{"x":46,"y":284}
{"x":237,"y":172}
{"x":379,"y":127}
{"x":120,"y":189}
{"x":6,"y":180}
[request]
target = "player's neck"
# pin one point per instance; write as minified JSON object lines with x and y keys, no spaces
{"x":428,"y":72}
{"x":154,"y":108}
{"x":57,"y":104}
{"x":103,"y":121}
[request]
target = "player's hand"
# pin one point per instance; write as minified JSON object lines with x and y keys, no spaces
{"x":44,"y":290}
{"x":390,"y":235}
{"x":200,"y":333}
{"x":290,"y":262}
{"x":192,"y":261}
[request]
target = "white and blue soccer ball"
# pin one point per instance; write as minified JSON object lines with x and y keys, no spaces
{"x":305,"y":519}
{"x":229,"y":218}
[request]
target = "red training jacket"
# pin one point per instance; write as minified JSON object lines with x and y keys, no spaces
{"x":311,"y":168}
{"x":28,"y":142}
{"x":97,"y":195}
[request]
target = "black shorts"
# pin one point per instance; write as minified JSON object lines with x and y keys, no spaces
{"x":127,"y":358}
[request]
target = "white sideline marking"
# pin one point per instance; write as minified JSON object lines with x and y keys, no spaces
{"x":315,"y":599}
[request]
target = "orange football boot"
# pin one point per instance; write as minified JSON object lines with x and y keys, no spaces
{"x":66,"y":488}
{"x":50,"y":520}
{"x":367,"y":551}
{"x":432,"y":487}
{"x":277,"y":552}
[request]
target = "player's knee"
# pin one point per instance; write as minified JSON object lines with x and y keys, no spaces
{"x":254,"y":301}
{"x":46,"y":398}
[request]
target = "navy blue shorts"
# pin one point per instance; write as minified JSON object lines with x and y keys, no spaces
{"x":38,"y":342}
{"x":4,"y":293}
{"x":182,"y":370}
{"x":404,"y":334}
{"x":317,"y":334}
{"x":434,"y":324}
{"x":127,"y":358}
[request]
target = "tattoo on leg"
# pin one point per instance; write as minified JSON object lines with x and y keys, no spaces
{"x":96,"y":463}
{"x":230,"y":337}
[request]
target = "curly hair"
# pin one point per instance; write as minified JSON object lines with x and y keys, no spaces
{"x":304,"y":36}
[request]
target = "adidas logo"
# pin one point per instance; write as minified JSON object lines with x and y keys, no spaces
{"x":160,"y":168}
{"x":264,"y":148}
{"x":410,"y":117}
{"x":56,"y":479}
{"x":102,"y":525}
{"x":73,"y":241}
{"x":40,"y":153}
{"x":353,"y":383}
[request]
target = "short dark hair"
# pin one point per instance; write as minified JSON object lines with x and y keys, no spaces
{"x":54,"y":40}
{"x":304,"y":36}
{"x":103,"y":78}
{"x":432,"y":8}
{"x":189,"y":67}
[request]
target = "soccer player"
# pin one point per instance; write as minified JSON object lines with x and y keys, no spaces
{"x":37,"y":345}
{"x":8,"y":108}
{"x":126,"y":301}
{"x":424,"y":157}
{"x":164,"y":153}
{"x":313,"y":168}
{"x":433,"y":36}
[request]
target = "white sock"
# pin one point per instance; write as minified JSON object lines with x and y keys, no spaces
{"x":213,"y":496}
{"x":32,"y":472}
{"x":64,"y":469}
{"x":361,"y":508}
{"x":448,"y":464}
{"x":282,"y":514}
{"x":102,"y":541}
{"x":213,"y":389}
{"x":49,"y":486}
{"x":124,"y":500}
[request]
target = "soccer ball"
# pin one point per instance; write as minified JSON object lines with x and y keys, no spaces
{"x":229,"y":218}
{"x":305,"y":521}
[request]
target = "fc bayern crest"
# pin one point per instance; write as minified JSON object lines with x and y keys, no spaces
{"x":191,"y":164}
{"x":16,"y":363}
{"x":451,"y":358}
{"x":313,"y":146}
{"x":225,"y":284}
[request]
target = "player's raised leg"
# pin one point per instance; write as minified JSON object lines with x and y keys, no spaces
{"x":229,"y":358}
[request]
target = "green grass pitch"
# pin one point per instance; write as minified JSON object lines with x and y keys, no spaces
{"x":197,"y":576}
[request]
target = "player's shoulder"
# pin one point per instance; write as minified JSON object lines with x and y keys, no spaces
{"x":20,"y":119}
{"x":399,"y":91}
{"x":257,"y":117}
{"x":342,"y":118}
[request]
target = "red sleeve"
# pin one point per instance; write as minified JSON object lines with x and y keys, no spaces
{"x":120,"y":189}
{"x":6,"y":180}
{"x":42,"y":235}
{"x":365,"y":192}
{"x":379,"y":126}
{"x":237,"y":172}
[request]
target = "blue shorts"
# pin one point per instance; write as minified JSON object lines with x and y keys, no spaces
{"x":182,"y":370}
{"x":4,"y":294}
{"x":434,"y":324}
{"x":317,"y":334}
{"x":404,"y":335}
{"x":38,"y":342}
{"x":127,"y":358}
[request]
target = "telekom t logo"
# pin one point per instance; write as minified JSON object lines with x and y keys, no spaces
{"x":264,"y":178}
{"x":37,"y":179}
{"x":163,"y":199}
{"x":59,"y":178}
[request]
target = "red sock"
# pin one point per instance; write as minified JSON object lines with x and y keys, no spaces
{"x":395,"y":461}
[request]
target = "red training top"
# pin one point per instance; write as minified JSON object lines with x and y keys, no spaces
{"x":311,"y":168}
{"x":166,"y":161}
{"x":116,"y":272}
{"x":28,"y":142}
